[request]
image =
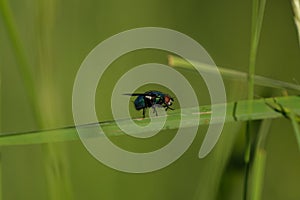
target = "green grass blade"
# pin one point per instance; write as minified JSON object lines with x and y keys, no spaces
{"x":257,"y":19}
{"x":295,"y":123}
{"x":54,"y":158}
{"x":1,"y":187}
{"x":216,"y":164}
{"x":180,"y":63}
{"x":296,"y":8}
{"x":23,"y":65}
{"x":259,"y":164}
{"x":236,"y":111}
{"x":0,"y":130}
{"x":288,"y":113}
{"x":259,"y":161}
{"x":263,"y":132}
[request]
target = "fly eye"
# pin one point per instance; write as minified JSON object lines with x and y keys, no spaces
{"x":168,"y":100}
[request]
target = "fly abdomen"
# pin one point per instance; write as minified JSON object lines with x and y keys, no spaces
{"x":139,"y":103}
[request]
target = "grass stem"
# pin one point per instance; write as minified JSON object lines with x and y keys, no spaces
{"x":53,"y":161}
{"x":230,"y":74}
{"x":295,"y":119}
{"x":23,"y":65}
{"x":296,"y":8}
{"x":258,"y":8}
{"x":259,"y":161}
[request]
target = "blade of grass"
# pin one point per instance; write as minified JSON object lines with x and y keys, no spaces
{"x":289,"y":114}
{"x":258,"y":8}
{"x":1,"y":197}
{"x":296,"y":8}
{"x":257,"y":18}
{"x":1,"y":187}
{"x":55,"y":155}
{"x":259,"y":164}
{"x":259,"y":161}
{"x":236,"y":111}
{"x":52,"y":161}
{"x":216,"y":163}
{"x":178,"y":62}
{"x":295,"y":119}
{"x":23,"y":66}
{"x":247,"y":155}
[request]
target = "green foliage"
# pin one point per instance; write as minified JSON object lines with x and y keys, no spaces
{"x":42,"y":46}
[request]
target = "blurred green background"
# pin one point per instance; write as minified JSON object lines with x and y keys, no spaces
{"x":57,"y":35}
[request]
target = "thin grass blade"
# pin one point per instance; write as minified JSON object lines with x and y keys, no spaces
{"x":296,"y":8}
{"x":236,"y":111}
{"x":230,"y":74}
{"x":295,"y":123}
{"x":259,"y":162}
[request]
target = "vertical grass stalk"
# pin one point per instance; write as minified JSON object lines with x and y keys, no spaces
{"x":1,"y":180}
{"x":58,"y":180}
{"x":22,"y":63}
{"x":295,"y":123}
{"x":1,"y":197}
{"x":296,"y":8}
{"x":23,"y":67}
{"x":259,"y":161}
{"x":258,"y":8}
{"x":259,"y":164}
{"x":55,"y":155}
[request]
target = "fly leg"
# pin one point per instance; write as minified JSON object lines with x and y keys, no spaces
{"x":144,"y":112}
{"x":154,"y":110}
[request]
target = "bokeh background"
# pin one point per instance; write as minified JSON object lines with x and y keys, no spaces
{"x":53,"y":37}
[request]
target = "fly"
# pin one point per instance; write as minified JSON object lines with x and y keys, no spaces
{"x":152,"y":99}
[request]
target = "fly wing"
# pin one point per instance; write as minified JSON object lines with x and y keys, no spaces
{"x":135,"y":94}
{"x":147,"y":95}
{"x":150,"y":93}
